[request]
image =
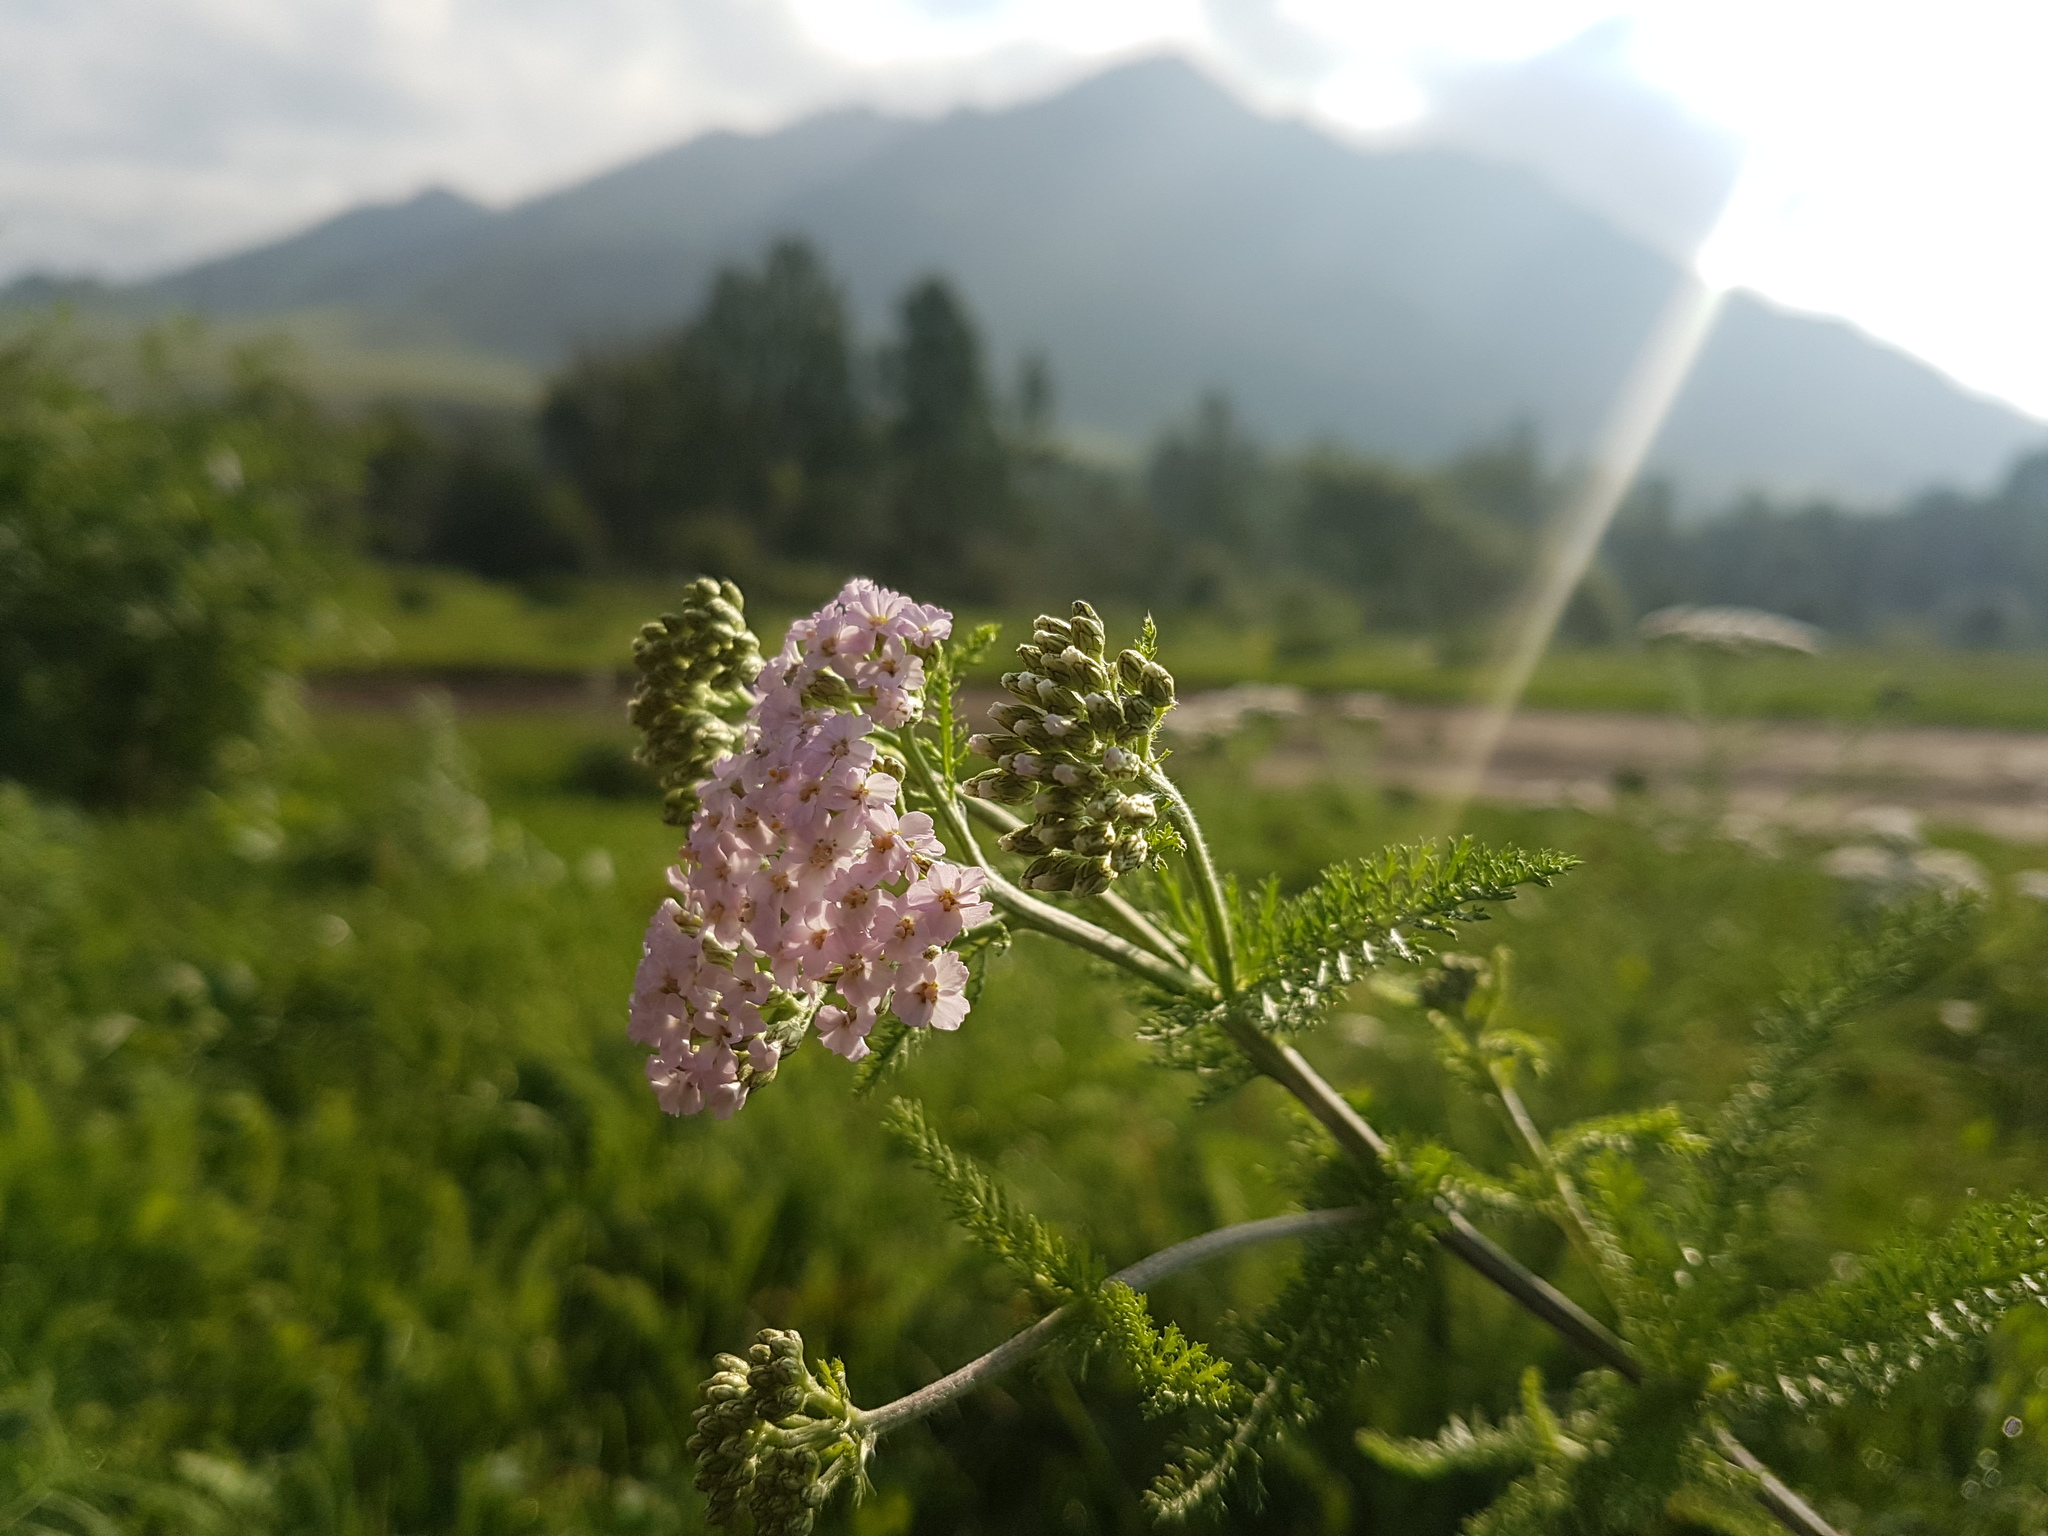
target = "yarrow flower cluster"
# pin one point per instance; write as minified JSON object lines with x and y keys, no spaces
{"x":1075,"y":741}
{"x":803,"y":899}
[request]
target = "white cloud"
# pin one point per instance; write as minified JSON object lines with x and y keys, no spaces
{"x":1895,"y":144}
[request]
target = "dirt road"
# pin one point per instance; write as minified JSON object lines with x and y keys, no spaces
{"x":1808,"y":775}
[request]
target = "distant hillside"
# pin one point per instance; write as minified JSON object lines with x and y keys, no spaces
{"x":1154,"y":236}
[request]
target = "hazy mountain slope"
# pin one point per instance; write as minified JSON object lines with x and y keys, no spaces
{"x":1819,"y":405}
{"x":1155,"y":237}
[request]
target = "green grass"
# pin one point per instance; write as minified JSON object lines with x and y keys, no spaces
{"x":428,"y":620}
{"x":344,"y":358}
{"x":336,"y":1171}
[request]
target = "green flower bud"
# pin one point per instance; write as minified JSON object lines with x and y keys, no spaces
{"x":1093,"y":878}
{"x":1055,"y":832}
{"x":1057,"y":698}
{"x":1051,"y":874}
{"x":1024,"y":842}
{"x":1000,"y":787}
{"x":1104,"y":713}
{"x":1079,"y":670}
{"x":1083,"y":727}
{"x":1056,"y":800}
{"x":828,"y":690}
{"x":696,"y":669}
{"x":1094,"y":840}
{"x":995,"y":747}
{"x":1087,"y":628}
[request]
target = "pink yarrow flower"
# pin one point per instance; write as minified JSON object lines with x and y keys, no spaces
{"x":802,"y":896}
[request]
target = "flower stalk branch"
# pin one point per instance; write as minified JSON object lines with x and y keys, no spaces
{"x":1028,"y":911}
{"x":1142,"y":928}
{"x":1141,"y":1276}
{"x":1208,"y":887}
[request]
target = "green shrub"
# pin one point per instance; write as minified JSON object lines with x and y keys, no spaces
{"x":153,"y":568}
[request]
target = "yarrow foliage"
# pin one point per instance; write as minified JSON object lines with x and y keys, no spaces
{"x":803,"y":899}
{"x":806,"y":899}
{"x":1075,"y":742}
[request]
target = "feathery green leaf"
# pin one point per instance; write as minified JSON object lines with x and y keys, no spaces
{"x":1050,"y":1269}
{"x":1914,"y":1301}
{"x":1174,"y":1374}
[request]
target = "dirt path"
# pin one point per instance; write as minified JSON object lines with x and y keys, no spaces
{"x":1809,"y":775}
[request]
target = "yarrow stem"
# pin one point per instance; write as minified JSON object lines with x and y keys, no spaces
{"x":1584,"y":1235}
{"x":1146,"y":932}
{"x":1208,"y":887}
{"x":1029,"y":912}
{"x":1147,"y":1272}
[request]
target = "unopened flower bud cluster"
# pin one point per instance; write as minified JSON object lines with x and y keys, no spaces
{"x":1074,"y":742}
{"x":772,"y":1437}
{"x":802,"y":898}
{"x":696,"y":665}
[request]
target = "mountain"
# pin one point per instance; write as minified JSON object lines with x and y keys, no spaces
{"x":1153,"y":237}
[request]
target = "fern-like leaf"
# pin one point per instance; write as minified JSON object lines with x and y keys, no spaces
{"x":1757,"y":1137}
{"x":1049,"y":1267}
{"x":1298,"y":956}
{"x":1355,"y":1285}
{"x":1297,"y":953}
{"x":1663,"y":1128}
{"x":1458,"y":1447}
{"x":1175,"y":1374}
{"x":1913,"y":1302}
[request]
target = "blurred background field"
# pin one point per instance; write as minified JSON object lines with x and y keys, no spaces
{"x":334,"y":1200}
{"x":420,"y":623}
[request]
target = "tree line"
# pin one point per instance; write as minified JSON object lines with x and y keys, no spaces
{"x":761,"y":439}
{"x":1947,"y":567}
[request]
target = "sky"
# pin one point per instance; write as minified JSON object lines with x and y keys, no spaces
{"x":1880,"y":162}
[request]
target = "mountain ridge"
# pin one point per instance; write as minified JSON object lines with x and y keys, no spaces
{"x":1154,"y":237}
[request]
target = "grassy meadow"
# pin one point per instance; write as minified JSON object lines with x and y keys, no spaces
{"x":424,"y":620}
{"x":334,"y":1199}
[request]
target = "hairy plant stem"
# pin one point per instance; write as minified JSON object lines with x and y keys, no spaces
{"x":1149,"y":1271}
{"x":1028,"y":911}
{"x":1587,"y":1237}
{"x":1141,"y":927}
{"x":1208,"y":888}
